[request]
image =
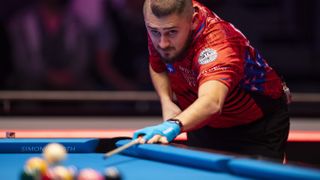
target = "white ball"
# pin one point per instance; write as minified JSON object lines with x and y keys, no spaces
{"x":54,"y":153}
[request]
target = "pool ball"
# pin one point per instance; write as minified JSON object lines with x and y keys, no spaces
{"x":112,"y":173}
{"x":34,"y":167}
{"x":89,"y":173}
{"x":61,"y":173}
{"x":54,"y":153}
{"x":36,"y":164}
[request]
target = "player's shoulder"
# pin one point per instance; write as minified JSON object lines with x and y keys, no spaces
{"x":209,"y":42}
{"x":217,"y":35}
{"x":218,"y":32}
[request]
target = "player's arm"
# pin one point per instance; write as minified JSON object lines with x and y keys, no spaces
{"x":211,"y":97}
{"x":162,"y":85}
{"x":209,"y":103}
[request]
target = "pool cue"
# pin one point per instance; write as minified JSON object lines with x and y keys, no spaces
{"x":121,"y":148}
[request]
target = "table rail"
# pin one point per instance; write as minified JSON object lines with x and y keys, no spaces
{"x":7,"y":97}
{"x":109,"y":96}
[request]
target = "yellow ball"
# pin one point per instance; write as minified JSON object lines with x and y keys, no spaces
{"x":35,"y":165}
{"x":54,"y":153}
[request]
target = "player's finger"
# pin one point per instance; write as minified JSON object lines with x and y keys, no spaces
{"x":163,"y":140}
{"x":154,"y":139}
{"x":142,"y":140}
{"x":146,"y":138}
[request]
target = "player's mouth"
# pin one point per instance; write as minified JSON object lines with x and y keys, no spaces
{"x":166,"y":52}
{"x":166,"y":55}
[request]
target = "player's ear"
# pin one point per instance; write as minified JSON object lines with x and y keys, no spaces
{"x":195,"y":20}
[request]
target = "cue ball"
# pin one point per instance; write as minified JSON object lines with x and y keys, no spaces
{"x":54,"y":153}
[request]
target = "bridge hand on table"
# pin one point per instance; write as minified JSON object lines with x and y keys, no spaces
{"x":164,"y":133}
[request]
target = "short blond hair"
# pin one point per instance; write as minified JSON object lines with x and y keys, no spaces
{"x":162,"y":8}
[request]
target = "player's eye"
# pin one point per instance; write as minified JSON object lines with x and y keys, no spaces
{"x":172,"y":33}
{"x":155,"y":33}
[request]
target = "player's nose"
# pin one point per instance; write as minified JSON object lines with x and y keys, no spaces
{"x":164,"y":42}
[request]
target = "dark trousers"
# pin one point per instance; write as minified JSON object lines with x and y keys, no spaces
{"x":265,"y":137}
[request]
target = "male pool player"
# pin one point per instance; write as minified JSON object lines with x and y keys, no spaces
{"x":212,"y":83}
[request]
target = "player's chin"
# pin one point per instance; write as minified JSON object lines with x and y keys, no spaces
{"x":168,"y":59}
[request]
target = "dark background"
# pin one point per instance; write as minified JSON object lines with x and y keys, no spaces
{"x":286,"y":32}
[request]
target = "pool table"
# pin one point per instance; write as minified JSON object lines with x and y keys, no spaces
{"x":149,"y":161}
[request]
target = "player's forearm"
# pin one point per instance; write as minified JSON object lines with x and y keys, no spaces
{"x":196,"y":115}
{"x":209,"y":104}
{"x":161,"y":84}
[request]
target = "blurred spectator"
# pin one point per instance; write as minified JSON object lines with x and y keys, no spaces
{"x":50,"y":47}
{"x":90,"y":12}
{"x":7,"y":8}
{"x":96,"y":18}
{"x":317,"y":35}
{"x":5,"y":66}
{"x":110,"y":75}
{"x":131,"y":53}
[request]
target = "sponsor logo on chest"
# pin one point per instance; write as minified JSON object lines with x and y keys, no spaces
{"x":189,"y":75}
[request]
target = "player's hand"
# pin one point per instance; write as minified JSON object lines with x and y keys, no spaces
{"x":163,"y":133}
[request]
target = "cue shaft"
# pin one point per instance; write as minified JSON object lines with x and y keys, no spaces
{"x":122,"y":148}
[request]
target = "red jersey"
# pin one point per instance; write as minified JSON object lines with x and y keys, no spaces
{"x":220,"y":52}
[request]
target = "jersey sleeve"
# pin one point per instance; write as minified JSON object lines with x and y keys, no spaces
{"x":222,"y":62}
{"x":154,"y":59}
{"x":220,"y":55}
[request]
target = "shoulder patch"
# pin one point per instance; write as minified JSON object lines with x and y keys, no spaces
{"x":208,"y":55}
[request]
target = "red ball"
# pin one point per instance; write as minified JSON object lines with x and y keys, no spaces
{"x":91,"y":174}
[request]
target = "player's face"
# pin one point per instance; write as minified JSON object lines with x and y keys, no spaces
{"x":170,"y":35}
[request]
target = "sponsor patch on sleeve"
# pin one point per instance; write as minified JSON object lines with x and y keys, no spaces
{"x":208,"y":55}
